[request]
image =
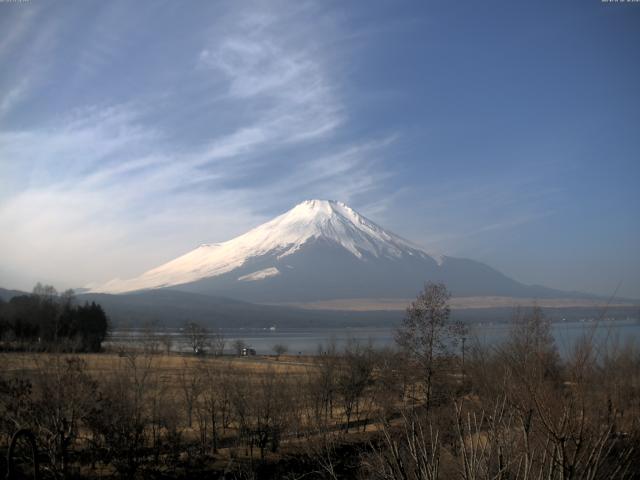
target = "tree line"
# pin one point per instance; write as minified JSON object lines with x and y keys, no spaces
{"x":46,"y":320}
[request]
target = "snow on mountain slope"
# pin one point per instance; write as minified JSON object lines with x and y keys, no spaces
{"x":260,"y":275}
{"x":331,"y":221}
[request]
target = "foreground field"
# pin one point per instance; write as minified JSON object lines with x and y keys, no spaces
{"x":135,"y":408}
{"x":517,"y":411}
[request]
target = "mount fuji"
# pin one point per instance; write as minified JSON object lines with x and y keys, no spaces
{"x":321,"y":250}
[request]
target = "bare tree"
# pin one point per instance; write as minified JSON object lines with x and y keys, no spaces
{"x":322,"y":385}
{"x":413,"y":452}
{"x":150,"y":338}
{"x":353,"y":378}
{"x":167,"y":341}
{"x":530,"y":347}
{"x":269,"y":410}
{"x":322,"y":449}
{"x":240,"y":397}
{"x":218,"y":342}
{"x":238,"y":346}
{"x":197,"y":337}
{"x":214,"y":404}
{"x":279,"y":349}
{"x":391,"y":381}
{"x":63,"y":394}
{"x":120,"y":417}
{"x":191,"y":388}
{"x":427,"y":334}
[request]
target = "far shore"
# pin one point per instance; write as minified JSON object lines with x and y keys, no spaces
{"x":392,"y":304}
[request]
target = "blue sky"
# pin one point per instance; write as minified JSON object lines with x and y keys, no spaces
{"x":507,"y":132}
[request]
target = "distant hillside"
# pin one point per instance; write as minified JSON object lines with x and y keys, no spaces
{"x":173,"y":308}
{"x":7,"y":295}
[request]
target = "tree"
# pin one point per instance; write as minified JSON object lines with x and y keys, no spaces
{"x":90,"y":326}
{"x":268,"y":405}
{"x":63,"y":393}
{"x":120,"y":418}
{"x":167,"y":341}
{"x":239,"y":346}
{"x":279,"y":349}
{"x":427,"y":334}
{"x":190,"y":385}
{"x":196,"y":337}
{"x":47,"y":312}
{"x":354,"y":376}
{"x":150,"y":339}
{"x":530,"y":362}
{"x":326,"y":385}
{"x":218,"y":343}
{"x":214,"y":408}
{"x":531,"y":347}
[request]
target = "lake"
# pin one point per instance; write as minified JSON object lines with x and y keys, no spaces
{"x":310,"y":340}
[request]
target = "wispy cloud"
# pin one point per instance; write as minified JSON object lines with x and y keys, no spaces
{"x":108,"y":188}
{"x":17,"y":30}
{"x":287,"y":89}
{"x":13,"y":97}
{"x":26,"y":50}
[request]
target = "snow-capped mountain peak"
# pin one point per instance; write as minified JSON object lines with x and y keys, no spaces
{"x":327,"y":220}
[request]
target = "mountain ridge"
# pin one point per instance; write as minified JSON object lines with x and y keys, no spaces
{"x":322,"y":250}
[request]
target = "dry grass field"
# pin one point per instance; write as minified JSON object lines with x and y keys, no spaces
{"x":230,"y":410}
{"x":167,"y":366}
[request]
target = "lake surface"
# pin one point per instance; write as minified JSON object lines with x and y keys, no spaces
{"x":313,"y":340}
